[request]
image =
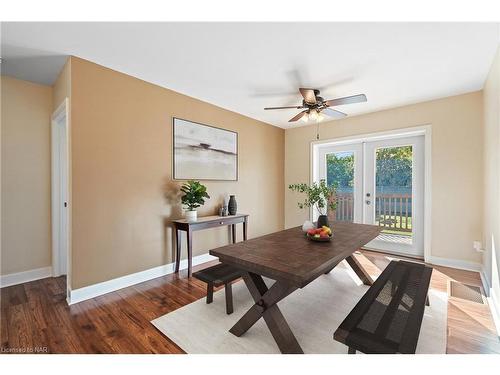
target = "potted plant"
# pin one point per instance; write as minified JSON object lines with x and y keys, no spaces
{"x":193,"y":197}
{"x":320,"y":196}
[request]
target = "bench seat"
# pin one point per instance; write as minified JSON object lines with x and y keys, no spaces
{"x":388,"y":317}
{"x":220,"y":274}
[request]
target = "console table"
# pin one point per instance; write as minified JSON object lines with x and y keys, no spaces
{"x":206,"y":222}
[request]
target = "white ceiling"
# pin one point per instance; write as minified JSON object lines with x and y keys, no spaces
{"x":245,"y":67}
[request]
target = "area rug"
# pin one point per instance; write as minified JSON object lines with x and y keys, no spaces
{"x":313,"y":314}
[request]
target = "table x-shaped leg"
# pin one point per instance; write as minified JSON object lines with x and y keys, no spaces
{"x":358,"y":270}
{"x":265,"y":307}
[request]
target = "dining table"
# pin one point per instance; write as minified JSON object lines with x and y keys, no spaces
{"x":291,"y":261}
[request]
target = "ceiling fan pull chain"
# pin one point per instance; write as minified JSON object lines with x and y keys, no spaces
{"x":317,"y":132}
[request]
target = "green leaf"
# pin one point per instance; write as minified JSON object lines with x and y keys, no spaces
{"x":318,"y":195}
{"x":194,"y":194}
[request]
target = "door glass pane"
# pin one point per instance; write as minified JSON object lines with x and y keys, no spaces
{"x":340,"y":172}
{"x":393,"y":199}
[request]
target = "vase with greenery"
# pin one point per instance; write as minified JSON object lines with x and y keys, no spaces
{"x":320,"y":196}
{"x":194,"y":194}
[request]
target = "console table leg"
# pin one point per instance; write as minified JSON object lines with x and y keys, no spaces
{"x":190,"y":251}
{"x":178,"y":249}
{"x":189,"y":227}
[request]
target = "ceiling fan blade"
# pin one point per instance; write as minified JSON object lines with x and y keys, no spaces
{"x":333,"y":113}
{"x":308,"y":95}
{"x":347,"y":100}
{"x":289,"y":107}
{"x":297,"y":117}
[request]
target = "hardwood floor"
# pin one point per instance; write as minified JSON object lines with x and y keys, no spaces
{"x":36,"y":318}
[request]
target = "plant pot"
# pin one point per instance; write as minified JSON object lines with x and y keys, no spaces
{"x":322,"y":220}
{"x":191,"y":215}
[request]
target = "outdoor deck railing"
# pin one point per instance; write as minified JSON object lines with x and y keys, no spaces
{"x":392,"y":211}
{"x":345,"y":207}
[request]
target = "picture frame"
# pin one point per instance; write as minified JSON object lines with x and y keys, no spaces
{"x":203,"y":152}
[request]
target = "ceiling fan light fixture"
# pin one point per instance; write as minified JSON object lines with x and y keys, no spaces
{"x":320,"y":117}
{"x":314,"y":107}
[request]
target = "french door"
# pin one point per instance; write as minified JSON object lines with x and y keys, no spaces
{"x":342,"y":166}
{"x":380,"y":182}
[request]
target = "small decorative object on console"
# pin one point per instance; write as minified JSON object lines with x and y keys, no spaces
{"x":224,"y":211}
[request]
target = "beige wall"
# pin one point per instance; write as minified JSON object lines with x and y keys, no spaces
{"x":26,"y":111}
{"x":121,"y":171}
{"x":457,"y":177}
{"x":492,"y":167}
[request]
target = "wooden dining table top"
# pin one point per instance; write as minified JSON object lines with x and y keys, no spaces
{"x":289,"y":256}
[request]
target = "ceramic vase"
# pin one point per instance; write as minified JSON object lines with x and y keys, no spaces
{"x":322,"y":221}
{"x":232,"y":206}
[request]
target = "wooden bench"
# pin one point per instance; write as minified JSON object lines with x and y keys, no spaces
{"x":388,"y":317}
{"x":220,"y":274}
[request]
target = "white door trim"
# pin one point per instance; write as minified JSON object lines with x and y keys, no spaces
{"x":61,"y":112}
{"x":425,"y":130}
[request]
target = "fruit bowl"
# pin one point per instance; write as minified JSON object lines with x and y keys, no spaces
{"x":323,"y":234}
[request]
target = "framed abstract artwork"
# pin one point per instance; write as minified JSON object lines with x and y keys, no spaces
{"x":204,"y":152}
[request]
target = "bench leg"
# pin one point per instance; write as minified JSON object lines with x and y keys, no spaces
{"x":210,"y":292}
{"x":229,"y":298}
{"x":351,"y":351}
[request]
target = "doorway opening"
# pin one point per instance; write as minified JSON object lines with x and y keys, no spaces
{"x":60,"y":192}
{"x":380,"y":180}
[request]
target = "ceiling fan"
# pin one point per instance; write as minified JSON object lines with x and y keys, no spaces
{"x":314,"y":106}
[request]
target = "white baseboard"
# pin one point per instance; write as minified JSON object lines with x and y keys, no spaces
{"x":91,"y":291}
{"x":494,"y":303}
{"x":454,"y":263}
{"x":485,"y":282}
{"x":24,"y":277}
{"x":492,"y":299}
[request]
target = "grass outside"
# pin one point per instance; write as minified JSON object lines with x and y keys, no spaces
{"x":394,"y":224}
